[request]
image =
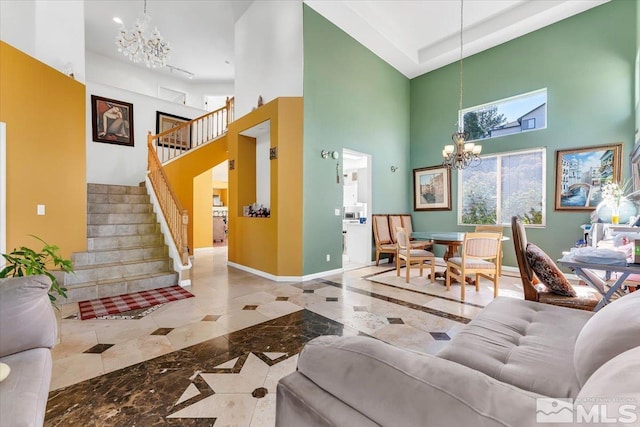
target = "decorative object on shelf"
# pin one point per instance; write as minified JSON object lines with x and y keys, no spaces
{"x":27,"y":262}
{"x":140,"y":46}
{"x":260,"y":102}
{"x":432,"y":189}
{"x":581,"y":173}
{"x":180,"y":138}
{"x":613,"y":195}
{"x":256,"y":211}
{"x":232,"y":165}
{"x":626,"y":211}
{"x":461,"y":154}
{"x":273,"y":153}
{"x":112,"y":121}
{"x":394,"y":169}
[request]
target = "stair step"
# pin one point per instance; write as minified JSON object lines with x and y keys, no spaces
{"x":111,"y":230}
{"x":122,"y":242}
{"x":106,"y":288}
{"x":119,"y":208}
{"x":117,"y":198}
{"x":121,"y":218}
{"x":109,"y":256}
{"x":118,"y":270}
{"x":115,"y":189}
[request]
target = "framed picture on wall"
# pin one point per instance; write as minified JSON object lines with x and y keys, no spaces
{"x":581,"y":173}
{"x":111,"y":121}
{"x":432,"y":189}
{"x":177,"y":134}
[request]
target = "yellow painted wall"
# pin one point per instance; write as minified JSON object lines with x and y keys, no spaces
{"x":181,"y":174}
{"x":223,"y":193}
{"x":272,"y":245}
{"x":46,"y":156}
{"x":202,"y":213}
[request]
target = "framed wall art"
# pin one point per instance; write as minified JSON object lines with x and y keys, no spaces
{"x":432,"y":189}
{"x":581,"y":173}
{"x":111,"y":121}
{"x":180,"y":138}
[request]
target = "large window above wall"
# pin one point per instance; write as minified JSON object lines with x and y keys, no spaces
{"x":521,"y":113}
{"x":504,"y":185}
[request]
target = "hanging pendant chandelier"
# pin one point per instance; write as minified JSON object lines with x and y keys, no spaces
{"x":140,"y":46}
{"x":461,"y":154}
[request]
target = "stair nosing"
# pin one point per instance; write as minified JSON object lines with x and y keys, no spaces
{"x":122,"y":263}
{"x":125,"y":278}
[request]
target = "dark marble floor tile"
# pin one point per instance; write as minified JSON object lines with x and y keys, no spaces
{"x":282,"y":298}
{"x":395,"y":321}
{"x":308,"y":291}
{"x":332,"y":299}
{"x":360,"y":308}
{"x":210,"y":318}
{"x":249,"y":307}
{"x":162,"y":331}
{"x":99,"y":348}
{"x":440,"y":336}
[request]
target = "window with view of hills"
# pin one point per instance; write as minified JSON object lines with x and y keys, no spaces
{"x":501,"y":186}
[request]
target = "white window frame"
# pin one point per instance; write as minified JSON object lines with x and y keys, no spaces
{"x":500,"y":155}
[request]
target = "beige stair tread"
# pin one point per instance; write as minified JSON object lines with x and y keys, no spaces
{"x":123,"y":279}
{"x":122,"y":263}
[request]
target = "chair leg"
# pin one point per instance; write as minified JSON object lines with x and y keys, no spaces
{"x":398,"y":266}
{"x":421,"y":267}
{"x":495,"y":287}
{"x":477,"y":282}
{"x":377,"y":257}
{"x":463,"y":284}
{"x":433,"y":271}
{"x":447,"y":280}
{"x":408,"y":264}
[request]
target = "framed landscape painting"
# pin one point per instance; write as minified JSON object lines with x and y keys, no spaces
{"x":111,"y":121}
{"x":432,"y":189}
{"x":581,"y":173}
{"x":181,"y":138}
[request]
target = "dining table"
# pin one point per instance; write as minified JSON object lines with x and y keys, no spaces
{"x":453,"y":240}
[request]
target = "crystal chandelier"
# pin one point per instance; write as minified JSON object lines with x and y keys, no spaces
{"x":139,"y":46}
{"x":461,"y":154}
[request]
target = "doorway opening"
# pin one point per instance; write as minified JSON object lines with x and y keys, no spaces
{"x":356,"y":219}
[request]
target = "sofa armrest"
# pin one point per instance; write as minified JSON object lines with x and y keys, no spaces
{"x":27,"y":319}
{"x":394,"y":386}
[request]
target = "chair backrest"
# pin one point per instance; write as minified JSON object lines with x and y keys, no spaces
{"x":402,"y":237}
{"x":381,"y":232}
{"x":489,"y":227}
{"x":406,"y":224}
{"x":484,"y":245}
{"x":520,"y":245}
{"x":394,"y":221}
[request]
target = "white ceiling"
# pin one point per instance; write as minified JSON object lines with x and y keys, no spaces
{"x":414,"y":36}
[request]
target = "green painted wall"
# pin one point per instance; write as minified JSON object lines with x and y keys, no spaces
{"x":352,"y":99}
{"x":586,"y":62}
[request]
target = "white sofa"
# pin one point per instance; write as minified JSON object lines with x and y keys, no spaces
{"x":492,"y":373}
{"x":28,"y":330}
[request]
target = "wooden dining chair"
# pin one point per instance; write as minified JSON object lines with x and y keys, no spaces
{"x":495,"y":229}
{"x":413,"y":258}
{"x":585,"y":298}
{"x":382,"y":237}
{"x":480,"y":257}
{"x":416,"y":244}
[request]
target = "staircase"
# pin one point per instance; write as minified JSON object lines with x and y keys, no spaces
{"x":126,"y":251}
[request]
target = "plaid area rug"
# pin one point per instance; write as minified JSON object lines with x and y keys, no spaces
{"x":120,"y":303}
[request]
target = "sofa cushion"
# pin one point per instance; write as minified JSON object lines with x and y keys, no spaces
{"x":28,"y":320}
{"x":523,"y":343}
{"x":611,"y":331}
{"x":23,"y":394}
{"x":615,"y":383}
{"x":547,"y":271}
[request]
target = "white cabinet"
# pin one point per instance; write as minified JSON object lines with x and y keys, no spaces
{"x":358,"y":243}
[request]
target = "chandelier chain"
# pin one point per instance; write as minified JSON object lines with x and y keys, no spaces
{"x":461,"y":45}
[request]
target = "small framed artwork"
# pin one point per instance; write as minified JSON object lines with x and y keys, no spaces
{"x":581,"y":173}
{"x":111,"y":121}
{"x":432,"y":189}
{"x":177,"y":134}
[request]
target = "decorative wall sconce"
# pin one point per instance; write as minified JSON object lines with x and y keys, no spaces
{"x":326,"y":154}
{"x":394,"y":169}
{"x":273,"y":153}
{"x":232,"y":165}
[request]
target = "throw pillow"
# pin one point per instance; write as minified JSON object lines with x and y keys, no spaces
{"x":547,"y":271}
{"x":4,"y":371}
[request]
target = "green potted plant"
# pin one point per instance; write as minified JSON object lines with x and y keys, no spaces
{"x":27,"y":262}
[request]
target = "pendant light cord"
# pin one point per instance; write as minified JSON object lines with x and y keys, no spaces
{"x":461,"y":28}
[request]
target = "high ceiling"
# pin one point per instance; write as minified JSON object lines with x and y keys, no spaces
{"x":414,"y":36}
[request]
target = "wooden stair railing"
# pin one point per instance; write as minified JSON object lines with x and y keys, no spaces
{"x":177,"y":218}
{"x":188,"y":135}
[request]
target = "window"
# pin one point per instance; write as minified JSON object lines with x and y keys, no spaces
{"x":502,"y":186}
{"x":507,"y":116}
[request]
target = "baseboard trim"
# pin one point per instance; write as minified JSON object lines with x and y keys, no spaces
{"x":284,"y":278}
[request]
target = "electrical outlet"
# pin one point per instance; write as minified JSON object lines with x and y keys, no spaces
{"x":337,"y":212}
{"x":40,"y":210}
{"x":328,"y":257}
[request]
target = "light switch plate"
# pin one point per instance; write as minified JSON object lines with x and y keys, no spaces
{"x":337,"y":212}
{"x":41,"y":210}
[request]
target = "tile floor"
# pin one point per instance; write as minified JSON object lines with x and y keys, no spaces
{"x":216,"y":359}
